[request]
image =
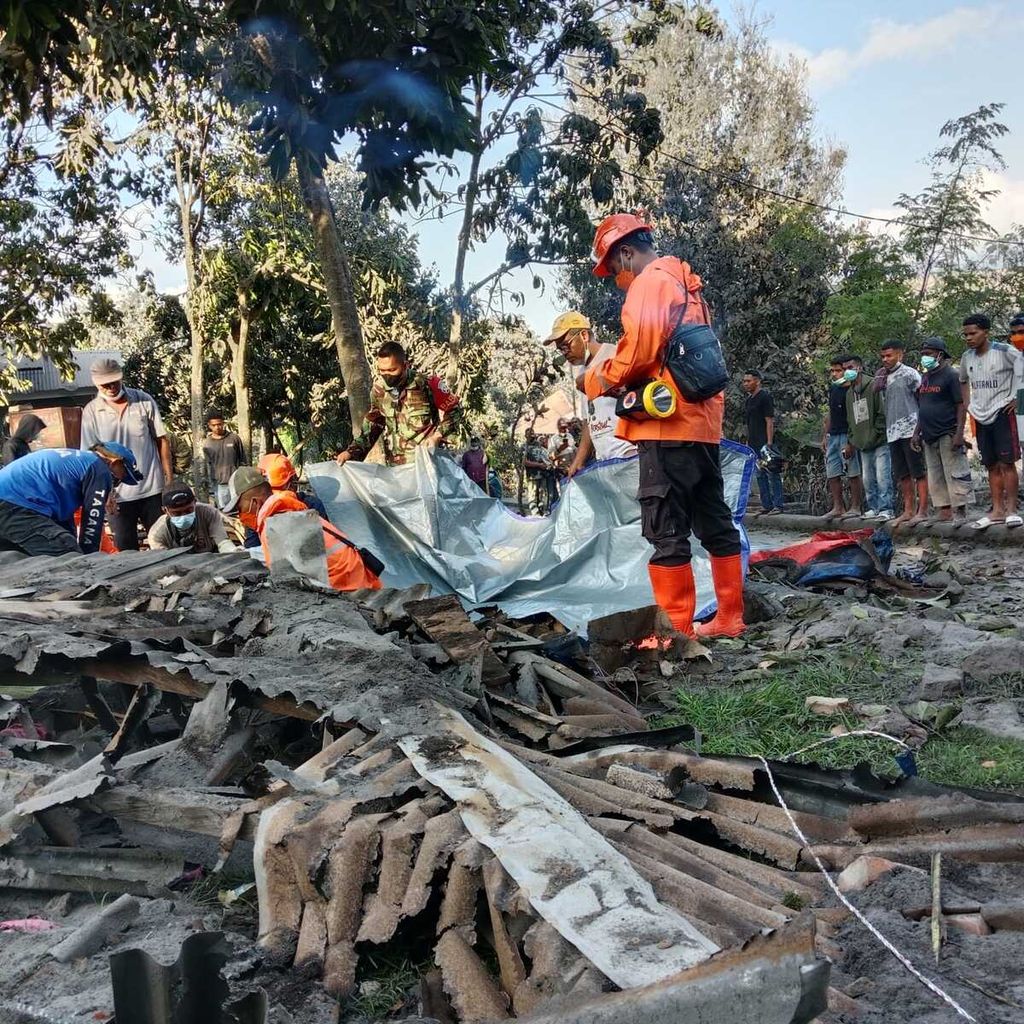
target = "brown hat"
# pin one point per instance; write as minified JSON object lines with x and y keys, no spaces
{"x":106,"y":371}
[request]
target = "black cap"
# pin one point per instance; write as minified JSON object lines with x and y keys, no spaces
{"x":177,"y":494}
{"x":934,"y":344}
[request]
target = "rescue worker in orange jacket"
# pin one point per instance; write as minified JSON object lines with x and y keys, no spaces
{"x":255,"y":501}
{"x":680,"y":475}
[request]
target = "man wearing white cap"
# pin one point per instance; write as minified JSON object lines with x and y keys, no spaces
{"x":131,"y":418}
{"x":574,"y":338}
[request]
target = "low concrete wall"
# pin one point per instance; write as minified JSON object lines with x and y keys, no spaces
{"x":947,"y":531}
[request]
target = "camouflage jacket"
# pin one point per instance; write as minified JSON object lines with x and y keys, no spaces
{"x":407,"y":417}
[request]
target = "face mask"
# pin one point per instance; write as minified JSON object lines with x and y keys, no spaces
{"x":248,"y":520}
{"x":849,"y":376}
{"x":929,"y":362}
{"x":393,"y":380}
{"x":185,"y":522}
{"x":113,"y":398}
{"x":625,"y":277}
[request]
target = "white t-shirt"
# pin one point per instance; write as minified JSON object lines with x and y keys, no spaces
{"x":995,"y":379}
{"x":562,"y":454}
{"x":601,"y":413}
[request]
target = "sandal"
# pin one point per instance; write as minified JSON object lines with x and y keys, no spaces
{"x":1014,"y":520}
{"x":985,"y":522}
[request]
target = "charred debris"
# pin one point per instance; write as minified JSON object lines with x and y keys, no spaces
{"x":381,"y":775}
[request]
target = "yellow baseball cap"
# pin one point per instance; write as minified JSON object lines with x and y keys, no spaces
{"x":567,"y":322}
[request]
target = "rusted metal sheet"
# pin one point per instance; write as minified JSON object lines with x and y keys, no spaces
{"x":926,"y":814}
{"x":776,"y":979}
{"x":978,"y":843}
{"x":572,"y":876}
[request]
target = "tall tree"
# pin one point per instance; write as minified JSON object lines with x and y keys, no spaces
{"x":539,"y":167}
{"x":392,"y":75}
{"x":951,"y":206}
{"x":738,"y":131}
{"x":62,"y":233}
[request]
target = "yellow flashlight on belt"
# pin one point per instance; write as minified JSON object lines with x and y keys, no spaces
{"x":651,"y":400}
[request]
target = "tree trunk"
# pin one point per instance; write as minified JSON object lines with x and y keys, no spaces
{"x":348,"y":335}
{"x":198,"y":347}
{"x":461,"y":252}
{"x":239,"y":375}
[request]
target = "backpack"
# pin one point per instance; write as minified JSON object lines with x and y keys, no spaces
{"x":694,"y":357}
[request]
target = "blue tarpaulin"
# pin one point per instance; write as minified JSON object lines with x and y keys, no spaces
{"x":430,"y":523}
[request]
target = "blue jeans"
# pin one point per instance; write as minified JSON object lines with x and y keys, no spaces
{"x":769,"y":487}
{"x":877,"y":472}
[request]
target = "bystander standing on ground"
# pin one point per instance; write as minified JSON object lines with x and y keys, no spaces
{"x":899,"y":383}
{"x":561,"y":452}
{"x":19,"y":443}
{"x":574,"y":337}
{"x":842,"y":459}
{"x":992,"y":376}
{"x":940,"y":432}
{"x":130,"y":417}
{"x":760,"y":413}
{"x":865,"y":413}
{"x":1017,"y":341}
{"x":187,"y":523}
{"x":224,"y":453}
{"x":474,"y":463}
{"x":535,"y":468}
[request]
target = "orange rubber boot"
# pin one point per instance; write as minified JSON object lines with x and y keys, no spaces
{"x":675,"y":594}
{"x":727,"y":573}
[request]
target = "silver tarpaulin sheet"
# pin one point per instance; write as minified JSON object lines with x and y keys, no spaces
{"x":430,"y":523}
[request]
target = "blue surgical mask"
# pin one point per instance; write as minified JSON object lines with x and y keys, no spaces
{"x":185,"y":522}
{"x":849,"y":376}
{"x":929,"y":362}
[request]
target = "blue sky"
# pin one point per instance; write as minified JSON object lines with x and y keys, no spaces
{"x":884,"y":76}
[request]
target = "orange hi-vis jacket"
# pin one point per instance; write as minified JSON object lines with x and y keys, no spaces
{"x":345,"y":568}
{"x":649,"y":316}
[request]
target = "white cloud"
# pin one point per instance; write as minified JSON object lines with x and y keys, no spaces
{"x":1007,"y":208}
{"x":892,"y":40}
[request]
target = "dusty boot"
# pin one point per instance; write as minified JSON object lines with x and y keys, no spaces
{"x":675,"y":595}
{"x":727,"y":573}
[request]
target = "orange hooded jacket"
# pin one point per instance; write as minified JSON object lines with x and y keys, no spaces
{"x":345,"y":568}
{"x":650,"y":314}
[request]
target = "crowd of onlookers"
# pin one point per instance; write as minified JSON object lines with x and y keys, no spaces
{"x":896,"y":441}
{"x":549,"y":460}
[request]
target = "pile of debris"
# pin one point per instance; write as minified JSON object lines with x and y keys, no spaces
{"x":392,"y":776}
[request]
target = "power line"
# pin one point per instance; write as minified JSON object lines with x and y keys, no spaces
{"x":743,"y":183}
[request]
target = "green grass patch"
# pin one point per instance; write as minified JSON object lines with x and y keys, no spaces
{"x":770,"y":718}
{"x":390,"y":978}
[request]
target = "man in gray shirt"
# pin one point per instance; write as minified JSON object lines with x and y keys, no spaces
{"x":899,"y":383}
{"x":130,"y":417}
{"x":991,"y":375}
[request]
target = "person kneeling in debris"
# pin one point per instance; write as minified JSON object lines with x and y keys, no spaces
{"x":187,"y":523}
{"x":255,"y":501}
{"x":281,"y":476}
{"x":41,"y":492}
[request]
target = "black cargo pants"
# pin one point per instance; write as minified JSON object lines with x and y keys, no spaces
{"x":681,"y":490}
{"x":24,"y":529}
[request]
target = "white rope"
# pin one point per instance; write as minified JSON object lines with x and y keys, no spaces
{"x":927,"y":982}
{"x":843,"y":736}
